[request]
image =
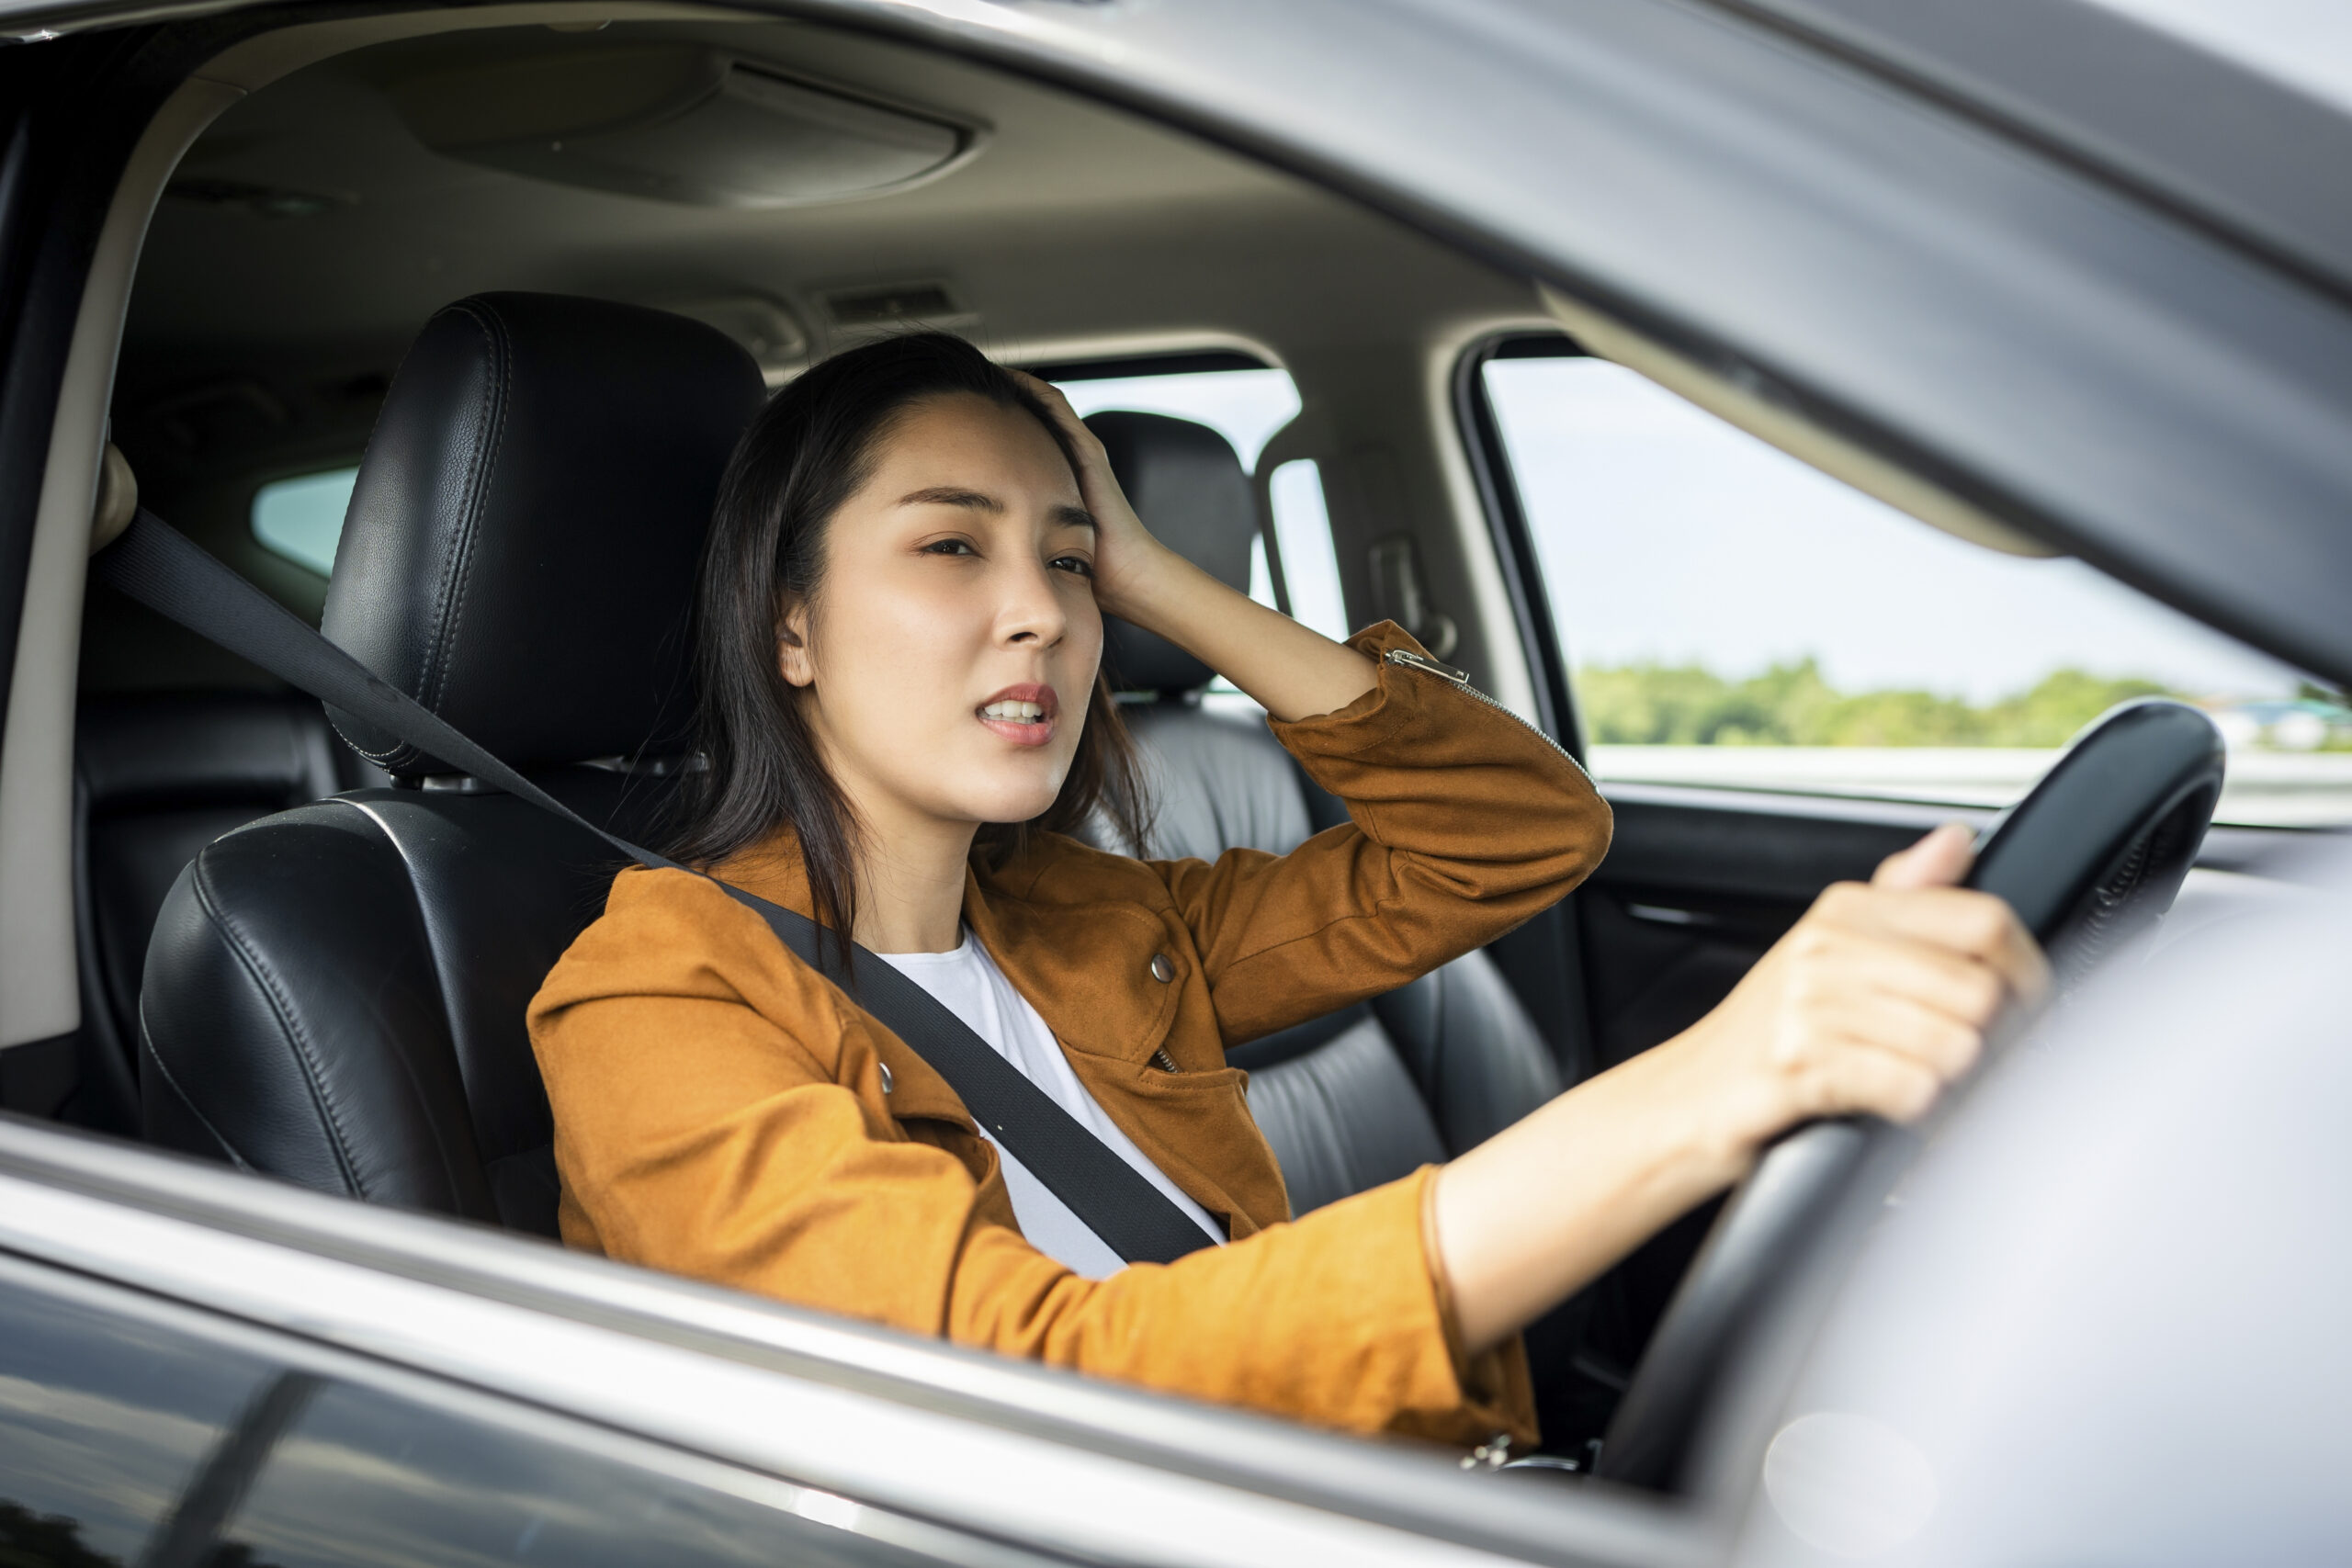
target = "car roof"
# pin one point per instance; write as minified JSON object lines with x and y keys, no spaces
{"x":2190,"y":119}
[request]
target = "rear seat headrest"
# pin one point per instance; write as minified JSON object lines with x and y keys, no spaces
{"x":521,"y":548}
{"x":1190,"y":489}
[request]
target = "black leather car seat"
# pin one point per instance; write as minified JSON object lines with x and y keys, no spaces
{"x":156,"y":777}
{"x":335,"y":994}
{"x":1365,"y":1095}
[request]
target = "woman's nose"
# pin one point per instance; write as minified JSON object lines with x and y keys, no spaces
{"x":1032,"y":612}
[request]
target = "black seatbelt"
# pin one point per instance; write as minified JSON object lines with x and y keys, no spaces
{"x":172,"y":575}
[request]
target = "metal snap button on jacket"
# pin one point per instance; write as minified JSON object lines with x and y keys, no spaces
{"x":1163,"y":970}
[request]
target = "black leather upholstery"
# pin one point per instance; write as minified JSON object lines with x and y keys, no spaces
{"x":335,"y":994}
{"x":1370,"y":1094}
{"x":1184,"y":476}
{"x":156,"y":777}
{"x":520,"y":552}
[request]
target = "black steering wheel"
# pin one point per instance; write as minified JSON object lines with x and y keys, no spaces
{"x":2093,"y":855}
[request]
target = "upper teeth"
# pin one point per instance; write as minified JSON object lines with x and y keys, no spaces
{"x":1020,"y":712}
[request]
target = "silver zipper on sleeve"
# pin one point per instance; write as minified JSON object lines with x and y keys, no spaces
{"x":1461,"y":677}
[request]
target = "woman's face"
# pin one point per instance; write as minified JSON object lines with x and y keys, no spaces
{"x":954,"y":637}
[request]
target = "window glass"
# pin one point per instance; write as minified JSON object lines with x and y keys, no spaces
{"x":302,"y":519}
{"x":361,"y":1479}
{"x":1734,"y":617}
{"x":105,"y":1422}
{"x":130,"y":1434}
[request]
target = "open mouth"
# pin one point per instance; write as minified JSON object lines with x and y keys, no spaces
{"x":1022,"y":715}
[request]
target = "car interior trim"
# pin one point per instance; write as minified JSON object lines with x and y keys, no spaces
{"x":38,"y":995}
{"x":1478,"y":439}
{"x":1512,"y":677}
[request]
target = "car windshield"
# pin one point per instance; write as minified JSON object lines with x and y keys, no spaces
{"x":1733,"y":618}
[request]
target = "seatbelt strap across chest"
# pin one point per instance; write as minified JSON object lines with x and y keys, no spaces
{"x":170,"y":574}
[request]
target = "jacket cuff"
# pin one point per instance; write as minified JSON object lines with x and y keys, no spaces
{"x":1498,"y":1393}
{"x":1372,"y":716}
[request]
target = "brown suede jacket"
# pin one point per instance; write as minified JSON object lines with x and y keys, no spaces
{"x":720,"y":1107}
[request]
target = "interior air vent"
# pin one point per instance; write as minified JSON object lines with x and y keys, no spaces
{"x":909,"y":304}
{"x":674,"y":122}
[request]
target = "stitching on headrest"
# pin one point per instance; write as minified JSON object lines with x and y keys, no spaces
{"x":448,"y":610}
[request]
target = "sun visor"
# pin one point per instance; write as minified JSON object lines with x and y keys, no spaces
{"x":681,"y":123}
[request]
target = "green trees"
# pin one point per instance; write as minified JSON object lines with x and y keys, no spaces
{"x":1791,"y":705}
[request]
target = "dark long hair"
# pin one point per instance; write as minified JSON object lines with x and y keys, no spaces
{"x":803,"y":457}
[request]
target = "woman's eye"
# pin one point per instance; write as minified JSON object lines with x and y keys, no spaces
{"x":1078,"y":564}
{"x":949,"y":547}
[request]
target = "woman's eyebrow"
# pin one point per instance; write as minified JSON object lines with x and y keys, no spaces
{"x":981,"y":500}
{"x":953,"y":495}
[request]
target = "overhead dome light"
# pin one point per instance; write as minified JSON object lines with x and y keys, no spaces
{"x":673,"y":122}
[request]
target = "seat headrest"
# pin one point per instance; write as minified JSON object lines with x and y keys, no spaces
{"x":1190,"y":489}
{"x":521,"y":548}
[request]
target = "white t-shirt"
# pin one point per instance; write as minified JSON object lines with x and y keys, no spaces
{"x":967,"y":983}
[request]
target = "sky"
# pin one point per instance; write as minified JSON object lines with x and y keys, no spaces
{"x":1667,"y":535}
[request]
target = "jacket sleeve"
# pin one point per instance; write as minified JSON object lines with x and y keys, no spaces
{"x":1464,"y":822}
{"x":698,"y":1135}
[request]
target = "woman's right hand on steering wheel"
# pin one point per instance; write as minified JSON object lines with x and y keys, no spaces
{"x":1875,"y":1000}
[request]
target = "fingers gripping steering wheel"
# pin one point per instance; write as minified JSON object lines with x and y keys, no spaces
{"x":2094,"y":855}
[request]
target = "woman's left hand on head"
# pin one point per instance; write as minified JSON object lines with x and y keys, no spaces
{"x":1126,"y":554}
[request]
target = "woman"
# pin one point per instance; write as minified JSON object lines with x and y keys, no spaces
{"x":900,"y":626}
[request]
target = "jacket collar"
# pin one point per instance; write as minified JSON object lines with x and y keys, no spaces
{"x":1085,"y":966}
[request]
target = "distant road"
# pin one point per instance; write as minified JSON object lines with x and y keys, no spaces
{"x":2279,"y":789}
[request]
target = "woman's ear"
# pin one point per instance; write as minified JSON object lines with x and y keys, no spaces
{"x":792,"y":660}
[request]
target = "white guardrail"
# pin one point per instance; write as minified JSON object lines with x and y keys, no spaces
{"x":2271,"y":789}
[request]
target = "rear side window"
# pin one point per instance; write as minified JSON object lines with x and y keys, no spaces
{"x":301,"y":519}
{"x":1732,"y":617}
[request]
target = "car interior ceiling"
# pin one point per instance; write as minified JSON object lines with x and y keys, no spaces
{"x":314,"y":228}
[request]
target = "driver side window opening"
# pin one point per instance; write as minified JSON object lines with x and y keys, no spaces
{"x":1733,"y":618}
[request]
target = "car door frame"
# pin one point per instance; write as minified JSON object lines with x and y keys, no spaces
{"x":997,"y":1449}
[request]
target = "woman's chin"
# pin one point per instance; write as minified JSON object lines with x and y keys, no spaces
{"x":998,"y":807}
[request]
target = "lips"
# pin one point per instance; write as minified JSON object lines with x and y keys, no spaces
{"x":1022,"y":715}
